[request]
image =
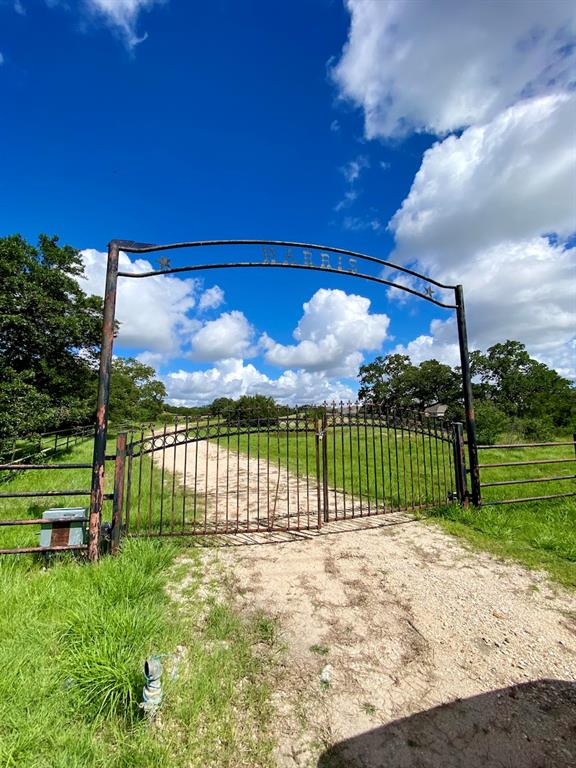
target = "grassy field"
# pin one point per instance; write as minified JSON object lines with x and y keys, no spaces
{"x":39,"y":480}
{"x":73,"y":640}
{"x":540,"y":534}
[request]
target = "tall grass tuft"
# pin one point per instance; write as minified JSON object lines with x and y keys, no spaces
{"x":108,"y":635}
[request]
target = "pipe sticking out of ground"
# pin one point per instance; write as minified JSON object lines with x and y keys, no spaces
{"x":152,"y":692}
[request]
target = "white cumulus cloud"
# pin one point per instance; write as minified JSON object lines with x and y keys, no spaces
{"x":152,"y":311}
{"x":334,"y":330}
{"x":211,"y":298}
{"x":441,"y":65}
{"x":232,"y":378}
{"x":230,"y":335}
{"x":478,"y":213}
{"x":494,"y":206}
{"x":507,"y":180}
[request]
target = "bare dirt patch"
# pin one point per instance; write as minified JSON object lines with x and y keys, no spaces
{"x":407,"y":620}
{"x":405,"y":648}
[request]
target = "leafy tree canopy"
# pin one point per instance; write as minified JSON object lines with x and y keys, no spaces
{"x":395,"y":382}
{"x":521,"y":386}
{"x":509,"y":386}
{"x":221,"y":405}
{"x":136,"y":395}
{"x":49,"y":337}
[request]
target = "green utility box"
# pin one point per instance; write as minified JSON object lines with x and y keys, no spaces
{"x":63,"y":527}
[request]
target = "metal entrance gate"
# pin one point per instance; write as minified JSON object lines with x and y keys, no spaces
{"x":280,"y":469}
{"x":290,"y":255}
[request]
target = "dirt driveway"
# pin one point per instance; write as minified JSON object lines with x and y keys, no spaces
{"x":383,"y":624}
{"x":404,"y":648}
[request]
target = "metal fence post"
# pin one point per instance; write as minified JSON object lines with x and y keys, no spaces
{"x":460,"y":463}
{"x":325,"y":465}
{"x":105,"y":371}
{"x":118,"y":501}
{"x":468,"y":396}
{"x":318,"y":440}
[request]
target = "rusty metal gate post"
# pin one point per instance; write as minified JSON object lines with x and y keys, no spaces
{"x":118,"y":501}
{"x":97,"y":490}
{"x":460,"y":464}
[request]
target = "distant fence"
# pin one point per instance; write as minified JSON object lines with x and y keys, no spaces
{"x":548,"y":456}
{"x":41,"y":452}
{"x":22,"y":448}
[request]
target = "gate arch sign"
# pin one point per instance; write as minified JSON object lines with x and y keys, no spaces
{"x":273,"y":254}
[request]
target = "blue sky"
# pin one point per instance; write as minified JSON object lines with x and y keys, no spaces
{"x":307,"y":121}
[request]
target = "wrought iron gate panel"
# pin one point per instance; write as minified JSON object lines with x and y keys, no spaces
{"x":284,"y":469}
{"x":230,"y":473}
{"x":383,"y":460}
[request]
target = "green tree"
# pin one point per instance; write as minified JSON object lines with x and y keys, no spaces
{"x":254,"y":409}
{"x":136,"y":395}
{"x":521,"y":386}
{"x":394,"y":381}
{"x":49,"y":336}
{"x":511,"y":389}
{"x":387,"y":380}
{"x":221,"y":405}
{"x":435,"y":382}
{"x":491,"y":422}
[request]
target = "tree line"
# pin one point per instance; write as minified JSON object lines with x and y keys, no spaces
{"x":512,"y":391}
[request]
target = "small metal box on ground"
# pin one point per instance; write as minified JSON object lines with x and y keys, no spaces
{"x":69,"y":530}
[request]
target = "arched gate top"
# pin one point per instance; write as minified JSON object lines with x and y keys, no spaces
{"x":289,"y":260}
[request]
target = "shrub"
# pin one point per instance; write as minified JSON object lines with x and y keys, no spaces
{"x":538,"y":429}
{"x":490,"y":422}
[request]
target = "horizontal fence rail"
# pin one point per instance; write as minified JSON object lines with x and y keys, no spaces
{"x":23,"y":448}
{"x":42,"y":458}
{"x":490,"y":481}
{"x":17,"y":450}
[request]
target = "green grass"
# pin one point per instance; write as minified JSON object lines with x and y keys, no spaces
{"x":73,"y":640}
{"x":154,"y":500}
{"x":44,"y":480}
{"x":73,"y":637}
{"x":539,"y":534}
{"x":535,"y":471}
